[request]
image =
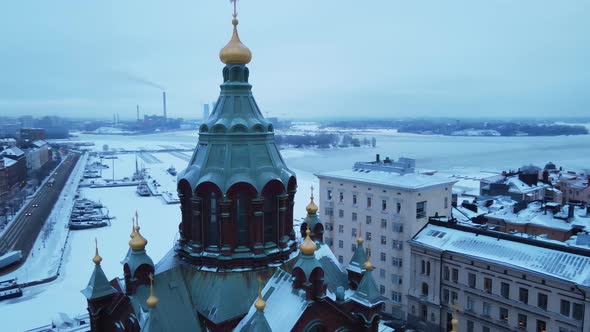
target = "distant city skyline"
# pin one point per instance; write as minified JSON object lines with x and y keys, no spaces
{"x":311,"y":60}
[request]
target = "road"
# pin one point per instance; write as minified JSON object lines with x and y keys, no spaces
{"x":24,"y":230}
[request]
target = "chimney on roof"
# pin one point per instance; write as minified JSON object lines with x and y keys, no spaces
{"x":377,"y":158}
{"x":588,"y":210}
{"x":570,"y":211}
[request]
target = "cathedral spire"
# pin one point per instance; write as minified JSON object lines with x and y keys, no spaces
{"x":98,"y":285}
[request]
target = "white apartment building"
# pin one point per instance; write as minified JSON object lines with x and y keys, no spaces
{"x":496,"y":282}
{"x":385,"y":202}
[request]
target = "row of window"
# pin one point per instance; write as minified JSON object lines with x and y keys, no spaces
{"x":566,"y":308}
{"x":397,"y":228}
{"x":522,"y":322}
{"x":369,"y":201}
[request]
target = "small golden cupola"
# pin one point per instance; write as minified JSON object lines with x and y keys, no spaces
{"x":311,"y":208}
{"x":235,"y":52}
{"x":137,"y":242}
{"x":368,"y":265}
{"x":308,"y":247}
{"x":260,"y":304}
{"x":96,"y":259}
{"x":359,"y":239}
{"x":152,"y":300}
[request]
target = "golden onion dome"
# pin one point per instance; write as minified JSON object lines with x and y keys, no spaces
{"x":308,"y":247}
{"x":368,"y":265}
{"x":235,"y":52}
{"x":152,"y":300}
{"x":96,"y":259}
{"x":311,"y":208}
{"x":137,"y":242}
{"x":359,"y":239}
{"x":260,"y":304}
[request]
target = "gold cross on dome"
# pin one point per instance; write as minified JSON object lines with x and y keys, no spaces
{"x":312,"y":191}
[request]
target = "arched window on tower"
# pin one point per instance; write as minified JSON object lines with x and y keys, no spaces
{"x":213,"y":236}
{"x":270,"y":194}
{"x":241,"y":195}
{"x":242,"y":218}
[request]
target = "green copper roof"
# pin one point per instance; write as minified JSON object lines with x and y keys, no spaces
{"x":257,"y":323}
{"x":174,"y":310}
{"x":367,"y":293}
{"x":135,"y":259}
{"x":307,"y":263}
{"x":358,"y":259}
{"x":98,"y":285}
{"x":236,"y":144}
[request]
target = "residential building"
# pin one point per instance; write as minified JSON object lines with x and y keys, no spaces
{"x":522,"y":185}
{"x":383,"y":202}
{"x":496,"y":282}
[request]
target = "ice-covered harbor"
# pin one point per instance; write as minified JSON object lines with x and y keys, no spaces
{"x":462,"y":157}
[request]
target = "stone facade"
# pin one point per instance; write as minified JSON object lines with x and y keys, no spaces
{"x":491,"y":295}
{"x":386,"y":216}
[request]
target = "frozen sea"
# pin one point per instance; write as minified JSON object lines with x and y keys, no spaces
{"x":461,"y":156}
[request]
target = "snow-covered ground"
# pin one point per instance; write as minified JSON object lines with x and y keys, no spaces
{"x":463,"y":158}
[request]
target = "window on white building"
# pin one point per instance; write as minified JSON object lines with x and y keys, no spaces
{"x":383,"y":239}
{"x":398,"y":227}
{"x":341,"y":197}
{"x":354,"y":216}
{"x":341,"y":213}
{"x":368,"y":220}
{"x":369,"y":202}
{"x":354,"y":199}
{"x":383,"y":205}
{"x":421,"y":210}
{"x":329,"y":194}
{"x":383,"y":223}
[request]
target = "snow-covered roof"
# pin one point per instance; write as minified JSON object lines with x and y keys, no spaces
{"x":12,"y":151}
{"x":284,"y":305}
{"x":520,"y":187}
{"x":7,"y":141}
{"x":39,"y":143}
{"x":7,"y":161}
{"x":535,"y":214}
{"x":407,"y":181}
{"x":554,"y":263}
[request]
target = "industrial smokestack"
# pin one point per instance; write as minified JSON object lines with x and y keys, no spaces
{"x":205,"y":112}
{"x":137,"y":112}
{"x":164,"y":102}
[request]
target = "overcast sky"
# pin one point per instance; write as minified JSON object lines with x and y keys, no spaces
{"x":311,"y":58}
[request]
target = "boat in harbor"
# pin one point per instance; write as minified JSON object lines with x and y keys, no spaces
{"x":142,"y":189}
{"x":171,"y":170}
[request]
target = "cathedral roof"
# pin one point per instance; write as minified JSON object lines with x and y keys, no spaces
{"x":368,"y":293}
{"x":137,"y":258}
{"x":284,"y":306}
{"x":98,"y":285}
{"x":334,"y":274}
{"x":358,"y":258}
{"x":236,"y":144}
{"x":174,"y":309}
{"x":256,"y":323}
